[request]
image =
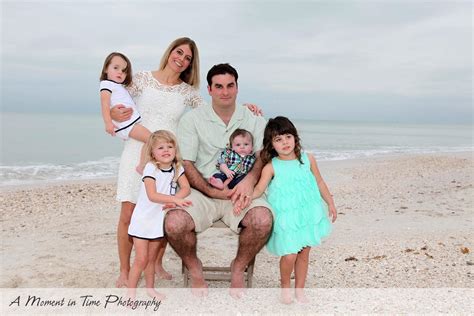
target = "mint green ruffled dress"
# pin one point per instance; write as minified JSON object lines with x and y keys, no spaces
{"x":300,"y":215}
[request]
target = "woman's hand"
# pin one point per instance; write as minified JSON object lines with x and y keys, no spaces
{"x":254,"y":108}
{"x":121,"y":113}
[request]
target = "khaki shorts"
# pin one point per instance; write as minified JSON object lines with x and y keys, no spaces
{"x":205,"y":211}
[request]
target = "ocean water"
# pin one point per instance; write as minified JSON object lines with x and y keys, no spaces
{"x":49,"y":147}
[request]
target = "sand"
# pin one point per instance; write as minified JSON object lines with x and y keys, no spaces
{"x":403,"y":222}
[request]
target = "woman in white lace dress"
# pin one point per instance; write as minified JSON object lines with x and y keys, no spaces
{"x":161,"y":97}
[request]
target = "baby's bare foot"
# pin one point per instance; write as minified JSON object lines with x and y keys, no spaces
{"x":216,"y":183}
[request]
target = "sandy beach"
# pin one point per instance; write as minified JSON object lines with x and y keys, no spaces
{"x":403,"y":222}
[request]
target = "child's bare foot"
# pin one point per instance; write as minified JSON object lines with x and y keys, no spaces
{"x":285,"y":297}
{"x":162,"y":273}
{"x":216,"y":183}
{"x":140,"y":168}
{"x":154,"y":294}
{"x":122,"y":281}
{"x":300,"y":296}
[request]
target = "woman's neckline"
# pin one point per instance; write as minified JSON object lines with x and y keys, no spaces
{"x":163,"y":84}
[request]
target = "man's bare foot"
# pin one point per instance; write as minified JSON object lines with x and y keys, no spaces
{"x":199,"y":288}
{"x":216,"y":183}
{"x":198,"y":284}
{"x":300,"y":296}
{"x":162,"y":273}
{"x":122,"y":280}
{"x":154,"y":294}
{"x":237,"y":287}
{"x":285,"y":297}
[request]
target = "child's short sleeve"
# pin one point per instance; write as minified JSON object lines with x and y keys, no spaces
{"x":106,"y":85}
{"x":149,"y":171}
{"x":180,"y":171}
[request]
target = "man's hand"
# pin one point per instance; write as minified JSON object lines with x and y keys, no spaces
{"x":121,"y":113}
{"x":254,"y":108}
{"x":241,"y":195}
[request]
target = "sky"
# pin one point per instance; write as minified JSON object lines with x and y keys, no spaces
{"x":408,"y":61}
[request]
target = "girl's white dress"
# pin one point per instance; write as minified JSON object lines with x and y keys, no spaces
{"x":161,"y":107}
{"x":148,"y":217}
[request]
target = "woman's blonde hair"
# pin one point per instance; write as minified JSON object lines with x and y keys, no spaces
{"x":191,"y":74}
{"x":166,"y":137}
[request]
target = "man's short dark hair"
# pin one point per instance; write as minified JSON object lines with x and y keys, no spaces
{"x":221,"y":69}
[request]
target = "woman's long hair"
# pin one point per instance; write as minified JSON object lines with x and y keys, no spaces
{"x":191,"y":74}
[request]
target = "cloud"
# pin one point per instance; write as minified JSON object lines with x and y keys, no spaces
{"x":413,"y":50}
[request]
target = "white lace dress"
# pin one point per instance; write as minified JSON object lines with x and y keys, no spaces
{"x":160,"y":107}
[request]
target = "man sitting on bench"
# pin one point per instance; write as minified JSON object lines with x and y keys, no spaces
{"x":202,"y":133}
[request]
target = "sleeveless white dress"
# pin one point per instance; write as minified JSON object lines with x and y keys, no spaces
{"x":161,"y":107}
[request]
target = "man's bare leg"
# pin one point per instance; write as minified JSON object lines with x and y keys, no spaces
{"x":124,"y":243}
{"x":179,"y":228}
{"x":256,"y":228}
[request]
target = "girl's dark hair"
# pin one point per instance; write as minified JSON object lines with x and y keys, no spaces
{"x":221,"y":69}
{"x":279,"y":125}
{"x":128,"y":70}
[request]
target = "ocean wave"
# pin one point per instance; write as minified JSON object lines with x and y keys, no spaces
{"x":16,"y":175}
{"x":329,"y":155}
{"x":108,"y":167}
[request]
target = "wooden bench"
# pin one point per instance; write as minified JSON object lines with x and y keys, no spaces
{"x":219,"y":273}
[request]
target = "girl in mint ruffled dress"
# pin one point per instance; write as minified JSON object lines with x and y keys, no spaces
{"x":295,"y":190}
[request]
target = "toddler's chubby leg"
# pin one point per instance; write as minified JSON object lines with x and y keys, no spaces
{"x":141,"y":134}
{"x":216,"y":183}
{"x":141,"y":164}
